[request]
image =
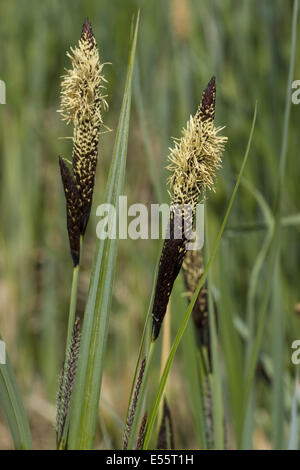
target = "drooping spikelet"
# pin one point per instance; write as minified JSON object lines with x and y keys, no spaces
{"x":81,"y":103}
{"x":142,"y":432}
{"x":193,"y":271}
{"x":66,"y":381}
{"x":194,"y":161}
{"x":133,"y":404}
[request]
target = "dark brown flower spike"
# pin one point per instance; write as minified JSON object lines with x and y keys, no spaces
{"x":193,"y":271}
{"x":169,"y":266}
{"x":194,"y":161}
{"x":73,"y":210}
{"x":206,"y":109}
{"x":82,"y":103}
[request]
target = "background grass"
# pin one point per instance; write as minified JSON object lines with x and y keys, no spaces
{"x":181,"y":44}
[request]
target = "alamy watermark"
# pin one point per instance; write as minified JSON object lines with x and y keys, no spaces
{"x":295,"y":358}
{"x":2,"y":92}
{"x":2,"y":352}
{"x":139,"y":221}
{"x":296,"y":93}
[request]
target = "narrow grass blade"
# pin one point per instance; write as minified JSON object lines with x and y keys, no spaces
{"x":259,"y":260}
{"x":294,"y":422}
{"x":275,"y":242}
{"x":230,"y":340}
{"x":194,"y":298}
{"x":244,"y":436}
{"x":292,"y":220}
{"x":12,"y":406}
{"x":277,"y":312}
{"x":216,"y":376}
{"x":277,"y":342}
{"x":153,"y":171}
{"x":84,"y":411}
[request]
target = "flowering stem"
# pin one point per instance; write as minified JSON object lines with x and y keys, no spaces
{"x":73,"y":301}
{"x":62,"y":429}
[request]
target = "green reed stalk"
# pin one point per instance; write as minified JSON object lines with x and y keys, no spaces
{"x":73,"y":299}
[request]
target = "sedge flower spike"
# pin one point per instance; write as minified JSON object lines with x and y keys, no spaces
{"x":81,"y":104}
{"x":193,"y":270}
{"x":194,"y":161}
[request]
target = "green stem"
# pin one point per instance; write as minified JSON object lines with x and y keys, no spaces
{"x":73,"y":301}
{"x":71,"y":321}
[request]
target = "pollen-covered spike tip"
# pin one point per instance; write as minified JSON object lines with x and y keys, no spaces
{"x":87,"y":28}
{"x":87,"y":34}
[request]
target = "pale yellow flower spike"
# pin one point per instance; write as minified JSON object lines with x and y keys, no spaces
{"x":81,"y":87}
{"x":195,"y":158}
{"x":194,"y":161}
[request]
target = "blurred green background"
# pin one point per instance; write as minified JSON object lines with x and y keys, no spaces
{"x":181,"y":44}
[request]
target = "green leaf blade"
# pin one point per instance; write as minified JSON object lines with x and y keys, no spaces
{"x":13,"y":408}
